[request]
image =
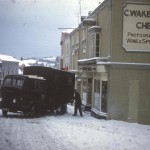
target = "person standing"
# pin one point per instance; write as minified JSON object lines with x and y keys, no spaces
{"x":78,"y":103}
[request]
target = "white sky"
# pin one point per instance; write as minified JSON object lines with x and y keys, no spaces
{"x":29,"y":28}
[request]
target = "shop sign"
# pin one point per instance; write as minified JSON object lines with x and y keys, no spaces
{"x":136,"y":27}
{"x":87,"y":68}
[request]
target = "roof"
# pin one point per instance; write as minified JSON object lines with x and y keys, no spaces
{"x":7,"y":58}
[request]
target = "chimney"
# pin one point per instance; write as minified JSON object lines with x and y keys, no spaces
{"x":83,"y":17}
{"x":89,"y":13}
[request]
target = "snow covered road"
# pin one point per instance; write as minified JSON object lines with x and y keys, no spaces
{"x":67,"y":132}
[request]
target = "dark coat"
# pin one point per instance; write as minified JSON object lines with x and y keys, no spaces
{"x":77,"y":99}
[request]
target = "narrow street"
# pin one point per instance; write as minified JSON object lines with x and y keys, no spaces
{"x":66,"y":132}
{"x":21,"y":133}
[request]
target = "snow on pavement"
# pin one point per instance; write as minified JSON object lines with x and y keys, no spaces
{"x":69,"y":132}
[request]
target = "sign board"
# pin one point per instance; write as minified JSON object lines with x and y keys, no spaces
{"x":136,"y":27}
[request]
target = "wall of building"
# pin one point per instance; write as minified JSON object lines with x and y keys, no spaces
{"x":104,"y":21}
{"x":9,"y":68}
{"x":67,"y":53}
{"x":118,"y":53}
{"x":129,"y":95}
{"x":127,"y":73}
{"x":128,"y":87}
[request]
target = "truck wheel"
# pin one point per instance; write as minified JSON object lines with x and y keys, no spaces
{"x":33,"y":111}
{"x":63,"y":109}
{"x":4,"y":112}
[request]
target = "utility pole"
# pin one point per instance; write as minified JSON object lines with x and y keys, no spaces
{"x":79,"y":11}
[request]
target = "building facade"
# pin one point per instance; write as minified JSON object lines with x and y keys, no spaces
{"x":111,"y":56}
{"x":63,"y":57}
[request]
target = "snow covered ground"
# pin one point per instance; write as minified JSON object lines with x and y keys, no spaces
{"x":69,"y":132}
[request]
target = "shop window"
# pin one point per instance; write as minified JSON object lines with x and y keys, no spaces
{"x":100,"y":95}
{"x":89,"y":91}
{"x":104,"y":97}
{"x":97,"y":94}
{"x":84,"y":89}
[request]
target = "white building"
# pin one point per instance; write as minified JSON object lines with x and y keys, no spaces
{"x":8,"y":65}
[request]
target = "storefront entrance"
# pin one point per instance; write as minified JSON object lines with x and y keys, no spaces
{"x":87,"y":93}
{"x":100,"y":95}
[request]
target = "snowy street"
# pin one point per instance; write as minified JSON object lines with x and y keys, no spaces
{"x":68,"y":132}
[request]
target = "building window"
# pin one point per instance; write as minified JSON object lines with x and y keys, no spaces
{"x":83,"y":35}
{"x":97,"y":94}
{"x":84,"y":89}
{"x":104,"y":97}
{"x":77,"y":37}
{"x":95,"y":44}
{"x":100,"y":95}
{"x":72,"y":40}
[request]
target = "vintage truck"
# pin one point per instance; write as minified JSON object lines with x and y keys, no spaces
{"x":38,"y":89}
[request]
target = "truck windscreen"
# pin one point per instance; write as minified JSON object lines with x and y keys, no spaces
{"x":7,"y":81}
{"x":13,"y":82}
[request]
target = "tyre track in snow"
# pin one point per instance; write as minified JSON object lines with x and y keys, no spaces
{"x":21,"y":133}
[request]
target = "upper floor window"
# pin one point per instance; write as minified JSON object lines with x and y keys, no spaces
{"x":83,"y":35}
{"x":72,"y":40}
{"x":95,"y":41}
{"x":95,"y":44}
{"x":77,"y":37}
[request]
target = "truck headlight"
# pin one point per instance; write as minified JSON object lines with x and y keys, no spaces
{"x":14,"y":100}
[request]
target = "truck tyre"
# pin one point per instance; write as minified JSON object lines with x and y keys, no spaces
{"x":33,"y":111}
{"x":63,"y":109}
{"x":4,"y":112}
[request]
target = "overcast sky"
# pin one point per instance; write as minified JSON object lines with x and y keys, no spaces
{"x":29,"y":28}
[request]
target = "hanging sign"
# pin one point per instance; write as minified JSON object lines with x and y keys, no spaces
{"x":136,"y":27}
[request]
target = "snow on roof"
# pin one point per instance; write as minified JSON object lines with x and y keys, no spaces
{"x":30,"y":61}
{"x":22,"y":63}
{"x":7,"y":58}
{"x":89,"y":19}
{"x":27,"y":62}
{"x":83,"y":60}
{"x":49,"y":58}
{"x":69,"y":30}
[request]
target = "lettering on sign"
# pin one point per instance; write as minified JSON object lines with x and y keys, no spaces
{"x":136,"y":27}
{"x":87,"y":68}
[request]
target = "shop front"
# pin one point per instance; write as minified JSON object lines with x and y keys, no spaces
{"x":100,"y":93}
{"x":87,"y":86}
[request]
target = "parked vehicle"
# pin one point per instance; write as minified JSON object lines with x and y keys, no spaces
{"x":38,"y":89}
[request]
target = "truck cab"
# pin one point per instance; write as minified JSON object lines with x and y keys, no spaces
{"x":23,"y":93}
